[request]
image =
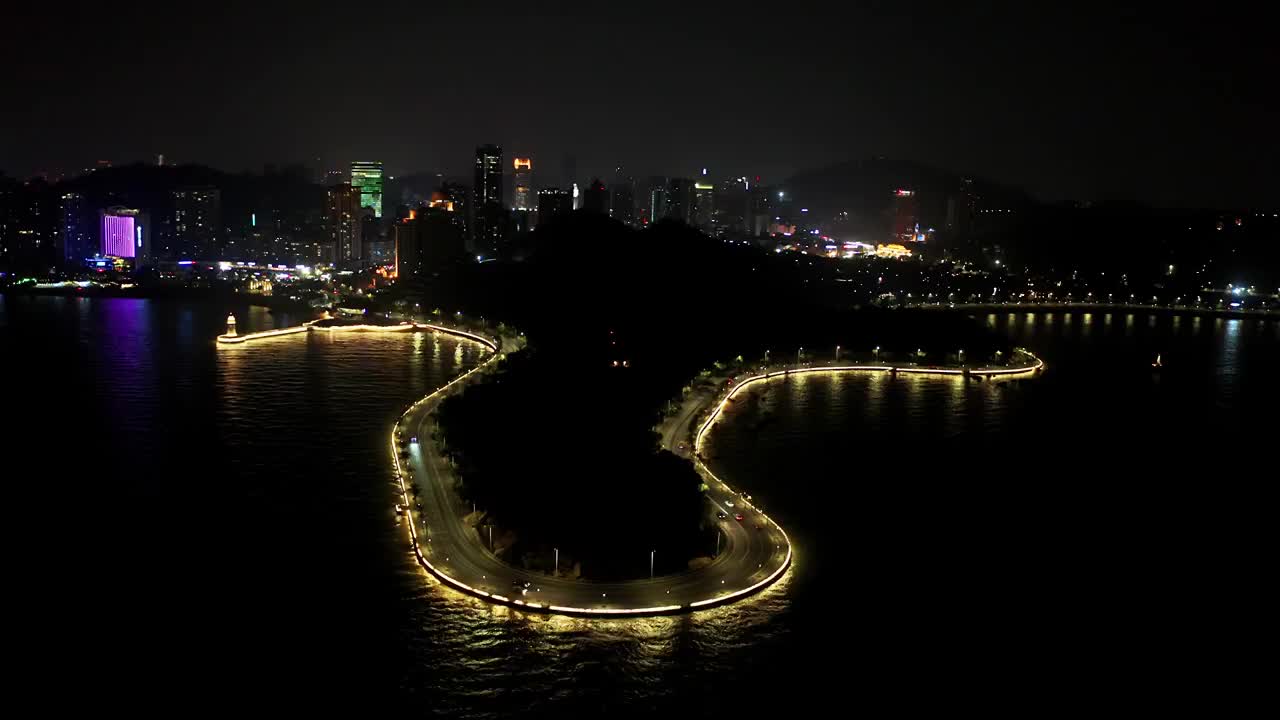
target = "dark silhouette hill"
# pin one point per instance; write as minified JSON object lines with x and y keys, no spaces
{"x":559,"y":447}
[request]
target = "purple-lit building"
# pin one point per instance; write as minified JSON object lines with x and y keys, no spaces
{"x":126,"y":233}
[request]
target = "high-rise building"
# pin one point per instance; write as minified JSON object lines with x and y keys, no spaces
{"x":29,"y":221}
{"x":962,"y":207}
{"x":680,"y":200}
{"x":596,"y":199}
{"x":75,"y":237}
{"x":370,"y":235}
{"x":762,"y":198}
{"x":490,"y":212}
{"x":197,"y":217}
{"x":703,"y":205}
{"x":430,"y":237}
{"x":553,"y":202}
{"x":366,"y":178}
{"x":126,"y":233}
{"x":732,"y":206}
{"x":522,"y":195}
{"x":343,"y":223}
{"x":903,"y":223}
{"x":653,"y":199}
{"x":622,"y":202}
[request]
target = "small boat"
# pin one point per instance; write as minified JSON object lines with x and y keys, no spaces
{"x":1157,"y":364}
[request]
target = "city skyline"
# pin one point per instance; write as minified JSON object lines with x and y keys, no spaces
{"x":656,"y":360}
{"x":1057,"y":103}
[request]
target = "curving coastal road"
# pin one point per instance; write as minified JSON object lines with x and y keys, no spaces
{"x":755,"y":553}
{"x":755,"y":550}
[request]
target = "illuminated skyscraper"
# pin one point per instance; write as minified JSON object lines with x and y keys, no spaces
{"x":197,"y":215}
{"x":490,"y":212}
{"x":703,"y":205}
{"x":653,"y":199}
{"x":522,"y":197}
{"x":343,"y":223}
{"x":366,"y":178}
{"x":903,"y":223}
{"x":75,"y":230}
{"x":126,"y":233}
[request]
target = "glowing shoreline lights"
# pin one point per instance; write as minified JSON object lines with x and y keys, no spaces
{"x":494,"y":346}
{"x":576,"y":611}
{"x":231,"y":338}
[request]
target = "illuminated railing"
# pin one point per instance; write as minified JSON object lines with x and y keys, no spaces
{"x":1035,"y":366}
{"x":1056,"y":305}
{"x":314,"y":326}
{"x":1028,"y":369}
{"x":237,"y":339}
{"x":439,"y":573}
{"x":404,"y":327}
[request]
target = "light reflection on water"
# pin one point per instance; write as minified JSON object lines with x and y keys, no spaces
{"x":918,"y":506}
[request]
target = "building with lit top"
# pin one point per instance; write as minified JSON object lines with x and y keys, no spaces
{"x":522,"y":197}
{"x":430,"y":237}
{"x":366,"y":178}
{"x":903,"y":223}
{"x":703,"y":204}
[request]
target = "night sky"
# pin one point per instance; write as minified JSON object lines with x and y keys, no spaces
{"x":1091,"y":102}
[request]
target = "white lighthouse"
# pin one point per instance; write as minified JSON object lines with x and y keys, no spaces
{"x":231,"y":325}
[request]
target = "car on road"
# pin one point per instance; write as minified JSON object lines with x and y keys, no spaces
{"x":399,"y":509}
{"x":721,"y":515}
{"x":728,"y":503}
{"x":739,"y":517}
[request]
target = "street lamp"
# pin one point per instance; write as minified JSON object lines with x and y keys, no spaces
{"x":651,"y":554}
{"x":799,"y":354}
{"x":877,"y":352}
{"x":557,"y":566}
{"x":837,"y":353}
